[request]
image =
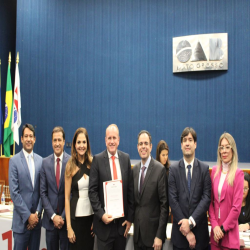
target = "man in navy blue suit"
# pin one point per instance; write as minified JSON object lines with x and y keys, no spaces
{"x":52,"y":193}
{"x":24,"y":181}
{"x":189,"y":188}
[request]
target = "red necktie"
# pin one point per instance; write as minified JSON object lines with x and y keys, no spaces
{"x":114,"y":168}
{"x":58,"y":172}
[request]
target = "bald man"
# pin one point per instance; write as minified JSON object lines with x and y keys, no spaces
{"x":111,"y":164}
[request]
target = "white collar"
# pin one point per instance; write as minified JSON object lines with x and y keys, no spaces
{"x":186,"y":164}
{"x":110,"y":155}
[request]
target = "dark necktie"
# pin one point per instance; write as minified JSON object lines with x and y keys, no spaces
{"x":58,"y":172}
{"x":189,"y":177}
{"x":142,"y":178}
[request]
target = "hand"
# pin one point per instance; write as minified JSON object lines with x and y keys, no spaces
{"x":33,"y":220}
{"x":58,"y":221}
{"x":157,"y":244}
{"x":107,"y":218}
{"x":71,"y":235}
{"x":218,"y":234}
{"x":184,"y":226}
{"x":191,"y":239}
{"x":243,"y":227}
{"x":91,"y":229}
{"x":128,"y":225}
{"x":29,"y":227}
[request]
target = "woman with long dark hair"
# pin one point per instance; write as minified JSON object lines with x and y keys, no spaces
{"x":78,"y":210}
{"x":162,"y":151}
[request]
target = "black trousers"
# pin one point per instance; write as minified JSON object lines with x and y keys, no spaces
{"x":115,"y":241}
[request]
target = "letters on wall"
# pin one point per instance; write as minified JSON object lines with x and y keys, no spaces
{"x":200,"y":52}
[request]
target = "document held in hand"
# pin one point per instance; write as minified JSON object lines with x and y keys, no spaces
{"x":113,"y":197}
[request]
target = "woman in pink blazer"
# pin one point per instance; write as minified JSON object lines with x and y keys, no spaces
{"x":226,"y":198}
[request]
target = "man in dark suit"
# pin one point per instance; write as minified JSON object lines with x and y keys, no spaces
{"x":109,"y":165}
{"x":24,"y":181}
{"x":52,"y":193}
{"x":150,"y":194}
{"x":189,"y":196}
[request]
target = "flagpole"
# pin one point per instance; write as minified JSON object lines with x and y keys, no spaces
{"x":14,"y":143}
{"x":9,"y":61}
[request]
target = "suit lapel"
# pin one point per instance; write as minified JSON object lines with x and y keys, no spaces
{"x":216,"y":185}
{"x":183,"y":176}
{"x":149,"y":170}
{"x":136,"y":170}
{"x":121,"y":165}
{"x":25,"y":166}
{"x":52,"y":169}
{"x":224,"y":189}
{"x":36,"y":169}
{"x":64,"y":162}
{"x":106,"y":165}
{"x":195,"y":175}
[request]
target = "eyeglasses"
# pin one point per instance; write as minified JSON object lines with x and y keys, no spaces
{"x":245,"y":189}
{"x":226,"y":148}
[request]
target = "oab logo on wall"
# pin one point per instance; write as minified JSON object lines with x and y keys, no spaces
{"x":200,"y":52}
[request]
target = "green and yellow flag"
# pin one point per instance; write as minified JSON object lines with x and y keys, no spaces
{"x":8,"y":134}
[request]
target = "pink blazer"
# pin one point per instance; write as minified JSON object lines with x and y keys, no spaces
{"x":230,"y":207}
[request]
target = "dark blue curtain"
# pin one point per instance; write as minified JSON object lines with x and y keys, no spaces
{"x":91,"y":63}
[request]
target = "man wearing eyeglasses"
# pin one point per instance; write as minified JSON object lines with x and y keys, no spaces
{"x":189,"y":197}
{"x":150,"y":196}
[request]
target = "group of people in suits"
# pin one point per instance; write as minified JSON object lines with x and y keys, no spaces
{"x":70,"y":190}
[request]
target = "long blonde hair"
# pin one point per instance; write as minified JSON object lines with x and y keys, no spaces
{"x":73,"y":161}
{"x":234,"y":161}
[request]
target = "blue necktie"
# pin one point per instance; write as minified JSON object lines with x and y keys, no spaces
{"x":189,"y":177}
{"x":31,"y":170}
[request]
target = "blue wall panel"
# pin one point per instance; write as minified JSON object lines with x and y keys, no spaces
{"x":94,"y":62}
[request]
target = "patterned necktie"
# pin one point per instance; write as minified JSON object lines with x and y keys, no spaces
{"x":114,"y":168}
{"x":189,"y":177}
{"x":58,"y":172}
{"x":142,"y":178}
{"x":30,"y":169}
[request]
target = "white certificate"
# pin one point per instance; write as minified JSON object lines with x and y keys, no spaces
{"x":113,"y":197}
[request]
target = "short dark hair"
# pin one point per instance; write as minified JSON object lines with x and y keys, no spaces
{"x":30,"y":127}
{"x":145,"y":132}
{"x":186,"y":132}
{"x":58,"y":129}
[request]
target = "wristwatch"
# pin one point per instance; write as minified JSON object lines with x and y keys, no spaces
{"x":38,"y":214}
{"x":191,"y":226}
{"x":222,"y":229}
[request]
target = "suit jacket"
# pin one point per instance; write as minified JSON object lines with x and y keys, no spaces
{"x":26,"y":199}
{"x":151,"y":206}
{"x":230,"y":207}
{"x":99,"y":173}
{"x":50,"y":195}
{"x":184,"y":205}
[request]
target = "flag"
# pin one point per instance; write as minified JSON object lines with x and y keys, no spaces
{"x":16,"y":113}
{"x":8,"y":135}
